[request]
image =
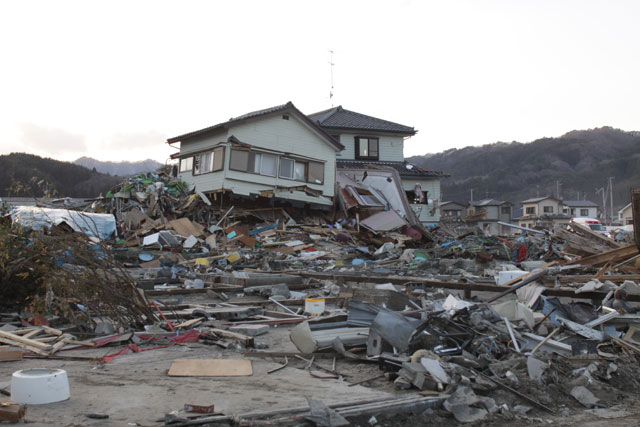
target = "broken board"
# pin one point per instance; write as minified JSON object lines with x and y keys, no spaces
{"x":210,"y":368}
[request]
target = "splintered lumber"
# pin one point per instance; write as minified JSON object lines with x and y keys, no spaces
{"x":246,"y":340}
{"x":8,"y":336}
{"x":586,"y":231}
{"x":210,"y":368}
{"x":602,"y":258}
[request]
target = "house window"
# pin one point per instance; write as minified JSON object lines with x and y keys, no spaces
{"x":584,"y":212}
{"x":249,"y":161}
{"x":316,"y":173}
{"x":530,"y":211}
{"x":209,"y":161}
{"x":286,"y":168}
{"x":547,"y":209}
{"x":366,"y":148}
{"x":186,"y":164}
{"x":267,"y":164}
{"x":506,"y":210}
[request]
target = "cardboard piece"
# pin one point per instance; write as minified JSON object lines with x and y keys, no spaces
{"x":211,"y":368}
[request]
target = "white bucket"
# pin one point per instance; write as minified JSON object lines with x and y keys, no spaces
{"x":314,"y":306}
{"x":39,"y":386}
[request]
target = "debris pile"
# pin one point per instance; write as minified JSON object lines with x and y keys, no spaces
{"x":449,"y":322}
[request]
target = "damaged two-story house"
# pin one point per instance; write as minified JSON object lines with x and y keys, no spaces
{"x":275,"y":153}
{"x":280,"y":154}
{"x":372,"y":143}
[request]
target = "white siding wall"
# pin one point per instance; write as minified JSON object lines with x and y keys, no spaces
{"x":390,"y":148}
{"x":288,"y":136}
{"x":432,"y":186}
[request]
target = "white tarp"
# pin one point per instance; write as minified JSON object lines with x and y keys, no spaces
{"x":91,"y":224}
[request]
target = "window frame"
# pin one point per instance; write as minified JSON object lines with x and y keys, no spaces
{"x":185,"y":159}
{"x":547,"y":209}
{"x":584,"y":212}
{"x":531,"y":210}
{"x":505,"y":208}
{"x":369,"y":139}
{"x":216,"y":152}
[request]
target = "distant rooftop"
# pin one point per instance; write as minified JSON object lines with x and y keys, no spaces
{"x":487,"y":202}
{"x":405,"y":169}
{"x":579,"y":203}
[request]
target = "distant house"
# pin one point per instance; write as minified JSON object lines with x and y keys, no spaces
{"x":625,"y":215}
{"x":452,"y":211}
{"x":486,"y":214}
{"x":370,"y":142}
{"x":580,"y":208}
{"x":544,"y":211}
{"x":275,"y":153}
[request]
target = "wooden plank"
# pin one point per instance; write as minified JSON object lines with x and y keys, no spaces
{"x":211,"y":368}
{"x":27,"y":341}
{"x":635,"y":214}
{"x":10,"y":355}
{"x":24,"y":346}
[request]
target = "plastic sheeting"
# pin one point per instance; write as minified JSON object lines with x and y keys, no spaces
{"x":101,"y":226}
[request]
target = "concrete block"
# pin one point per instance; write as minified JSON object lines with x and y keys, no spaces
{"x":250,"y":330}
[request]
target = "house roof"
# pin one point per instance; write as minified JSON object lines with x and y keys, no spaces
{"x":625,"y":207}
{"x":405,"y":169}
{"x":256,"y":115}
{"x":579,"y":203}
{"x":340,"y":118}
{"x":539,"y":199}
{"x":487,"y":202}
{"x":451,"y":202}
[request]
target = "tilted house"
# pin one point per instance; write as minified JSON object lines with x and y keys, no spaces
{"x":371,"y":142}
{"x":274,"y":153}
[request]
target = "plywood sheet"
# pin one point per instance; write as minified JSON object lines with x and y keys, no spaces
{"x":186,"y":228}
{"x":211,"y":368}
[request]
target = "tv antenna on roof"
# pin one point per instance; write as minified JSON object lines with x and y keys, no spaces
{"x":331,"y":64}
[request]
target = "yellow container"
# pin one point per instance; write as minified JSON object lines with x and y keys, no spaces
{"x":234,"y":257}
{"x":314,"y":306}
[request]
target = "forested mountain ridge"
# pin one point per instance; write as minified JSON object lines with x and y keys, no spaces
{"x":28,"y":175}
{"x":577,"y":163}
{"x":123,"y":168}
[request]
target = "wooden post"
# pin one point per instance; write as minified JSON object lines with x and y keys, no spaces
{"x":635,"y":209}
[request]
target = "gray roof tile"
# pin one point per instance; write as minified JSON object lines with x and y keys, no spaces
{"x":405,"y":169}
{"x":339,"y":118}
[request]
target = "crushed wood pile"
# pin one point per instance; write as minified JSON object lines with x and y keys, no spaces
{"x":456,"y":325}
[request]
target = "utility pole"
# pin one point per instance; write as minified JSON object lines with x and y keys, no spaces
{"x":558,"y":190}
{"x":611,"y":198}
{"x":472,"y":194}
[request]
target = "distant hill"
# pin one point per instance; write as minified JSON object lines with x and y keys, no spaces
{"x":581,"y":161}
{"x":27,"y":175}
{"x":123,"y":168}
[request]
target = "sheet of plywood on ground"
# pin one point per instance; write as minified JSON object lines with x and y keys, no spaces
{"x":211,"y":368}
{"x":185,"y":227}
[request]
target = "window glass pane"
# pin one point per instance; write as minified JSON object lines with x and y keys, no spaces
{"x":286,"y":168}
{"x":269,"y":164}
{"x":206,"y":161}
{"x":186,"y":164}
{"x":254,"y":162}
{"x":218,"y":159}
{"x":239,"y":160}
{"x":373,"y":147}
{"x":196,"y":164}
{"x":364,"y":147}
{"x":316,"y":172}
{"x":300,"y":173}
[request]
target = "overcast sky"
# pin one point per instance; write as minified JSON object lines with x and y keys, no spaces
{"x":113,"y":80}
